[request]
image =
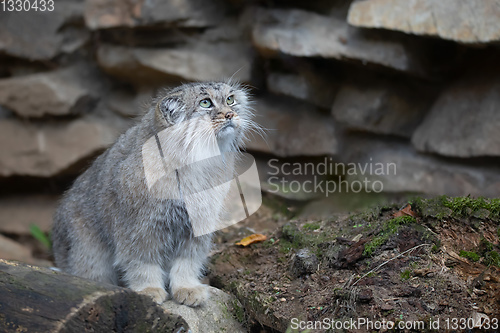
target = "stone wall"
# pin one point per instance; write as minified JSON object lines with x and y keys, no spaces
{"x":415,"y":83}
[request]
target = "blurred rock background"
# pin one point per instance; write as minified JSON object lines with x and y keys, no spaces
{"x":415,"y":83}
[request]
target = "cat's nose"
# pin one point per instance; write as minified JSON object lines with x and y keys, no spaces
{"x":229,"y":115}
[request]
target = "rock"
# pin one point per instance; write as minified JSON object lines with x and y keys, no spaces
{"x":365,"y":295}
{"x":39,"y":299}
{"x":292,"y":128}
{"x":12,"y":250}
{"x":473,"y":21}
{"x":306,"y":34}
{"x":59,"y":93}
{"x":45,"y":150}
{"x":123,"y":63}
{"x":129,"y":104}
{"x":408,"y":291}
{"x":348,"y":256}
{"x":464,"y":121}
{"x":386,"y":307}
{"x":103,"y":14}
{"x":308,"y":88}
{"x":17,"y":214}
{"x":381,"y":107}
{"x":200,"y":62}
{"x":397,"y":168}
{"x":38,"y":35}
{"x":303,"y":262}
{"x":221,"y":313}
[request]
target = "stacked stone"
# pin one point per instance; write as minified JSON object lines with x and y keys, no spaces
{"x":414,"y":83}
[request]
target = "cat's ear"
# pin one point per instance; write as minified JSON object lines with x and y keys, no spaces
{"x":170,"y":109}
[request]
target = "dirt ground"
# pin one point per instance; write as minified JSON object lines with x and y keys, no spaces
{"x":430,"y":265}
{"x":422,"y":265}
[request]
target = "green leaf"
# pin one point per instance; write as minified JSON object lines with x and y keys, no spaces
{"x":39,"y":235}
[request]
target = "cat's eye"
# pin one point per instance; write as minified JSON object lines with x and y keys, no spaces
{"x":230,"y":100}
{"x":206,"y":103}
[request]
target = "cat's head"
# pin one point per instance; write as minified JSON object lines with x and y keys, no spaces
{"x":198,"y":109}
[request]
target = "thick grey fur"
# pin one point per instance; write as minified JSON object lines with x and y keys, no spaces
{"x":109,"y":227}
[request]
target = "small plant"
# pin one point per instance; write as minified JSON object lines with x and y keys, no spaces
{"x":406,"y":275}
{"x":312,"y":226}
{"x":390,"y":228}
{"x":238,"y":312}
{"x":464,"y":206}
{"x":39,"y":235}
{"x":473,"y":256}
{"x":492,"y":258}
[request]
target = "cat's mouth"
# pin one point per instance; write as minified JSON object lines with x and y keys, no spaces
{"x":227,"y":128}
{"x":228,"y":125}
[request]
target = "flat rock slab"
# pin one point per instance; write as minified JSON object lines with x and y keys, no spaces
{"x":46,"y":150}
{"x":57,"y":93}
{"x":104,"y":14}
{"x":18,"y":213}
{"x":465,"y":120}
{"x":41,"y":35}
{"x":203,"y":62}
{"x":294,"y":130}
{"x":306,"y":34}
{"x":471,"y":21}
{"x":12,"y":250}
{"x":381,"y":107}
{"x":310,"y":88}
{"x":37,"y":299}
{"x":401,"y":169}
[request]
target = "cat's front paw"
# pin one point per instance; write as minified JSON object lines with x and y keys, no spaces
{"x":158,"y":295}
{"x":192,"y":296}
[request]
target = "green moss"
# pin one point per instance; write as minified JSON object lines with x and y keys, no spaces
{"x":375,"y":244}
{"x":485,"y":246}
{"x":278,"y":205}
{"x":389,"y":229}
{"x":285,"y":246}
{"x":312,"y":226}
{"x":291,"y":232}
{"x":238,"y":311}
{"x":492,"y":258}
{"x":233,"y":286}
{"x":457,"y":207}
{"x":406,"y":275}
{"x":225,"y":310}
{"x":366,"y":217}
{"x":470,"y":255}
{"x":293,"y":238}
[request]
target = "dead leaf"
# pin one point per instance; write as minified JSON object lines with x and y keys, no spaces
{"x":479,"y":319}
{"x":423,"y":271}
{"x":406,"y":211}
{"x":255,"y":238}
